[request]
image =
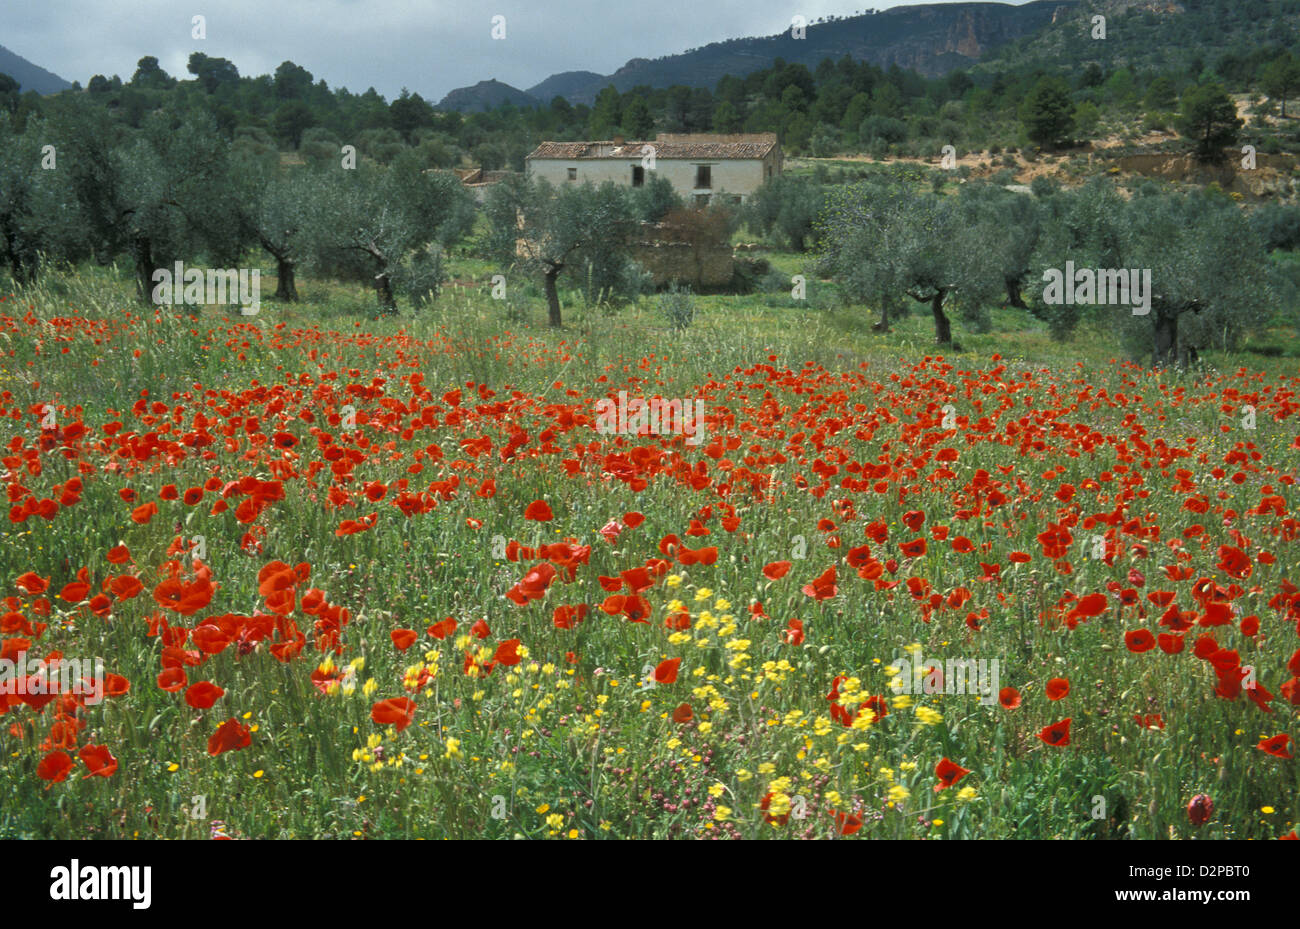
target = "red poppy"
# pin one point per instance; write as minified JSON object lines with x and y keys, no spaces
{"x":230,"y":736}
{"x":776,"y":570}
{"x":507,"y":653}
{"x":775,"y":820}
{"x":566,"y":617}
{"x":54,"y":767}
{"x":172,"y":679}
{"x":99,"y":760}
{"x":823,"y":586}
{"x":877,"y":705}
{"x":125,"y":586}
{"x":846,"y":823}
{"x":33,"y":583}
{"x":913,"y":549}
{"x":442,"y":628}
{"x":949,"y":773}
{"x":1089,"y":606}
{"x":1234,"y":562}
{"x":1057,"y":733}
{"x":1170,"y":644}
{"x":1139,"y":640}
{"x":143,"y":513}
{"x":539,"y":511}
{"x":210,"y":639}
{"x":1057,"y":688}
{"x":403,"y":638}
{"x":1199,"y":809}
{"x":74,"y":592}
{"x":1276,"y":745}
{"x":184,"y":597}
{"x":683,"y":713}
{"x":666,"y":672}
{"x":203,"y":694}
{"x":395,"y":711}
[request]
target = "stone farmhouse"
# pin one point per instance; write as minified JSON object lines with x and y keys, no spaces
{"x":700,"y":167}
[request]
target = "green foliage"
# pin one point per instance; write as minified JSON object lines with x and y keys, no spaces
{"x":786,"y":207}
{"x":655,"y":198}
{"x":548,"y":231}
{"x":1161,"y":94}
{"x":1278,"y":225}
{"x":1208,"y":116}
{"x":1210,"y":280}
{"x":678,"y":307}
{"x":1281,"y":79}
{"x":1087,"y":117}
{"x":1048,"y":112}
{"x":389,"y":226}
{"x":882,"y":242}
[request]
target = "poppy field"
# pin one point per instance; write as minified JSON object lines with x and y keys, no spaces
{"x":387,"y":579}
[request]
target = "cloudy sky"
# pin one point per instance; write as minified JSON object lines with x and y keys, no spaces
{"x":428,"y":46}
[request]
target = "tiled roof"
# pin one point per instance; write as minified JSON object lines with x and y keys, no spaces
{"x":573,"y":151}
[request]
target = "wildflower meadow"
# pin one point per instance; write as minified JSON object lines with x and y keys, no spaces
{"x":327,"y":576}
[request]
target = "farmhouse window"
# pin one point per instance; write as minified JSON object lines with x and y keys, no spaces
{"x":573,"y":174}
{"x":638,"y":175}
{"x":703,"y":177}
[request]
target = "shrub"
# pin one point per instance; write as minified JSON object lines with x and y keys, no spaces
{"x":678,"y":305}
{"x":748,"y":274}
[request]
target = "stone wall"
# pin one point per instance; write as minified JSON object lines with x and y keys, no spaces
{"x":679,"y":261}
{"x":659,"y":250}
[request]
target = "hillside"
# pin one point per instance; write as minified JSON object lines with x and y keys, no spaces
{"x":565,"y":84}
{"x":1153,"y":34}
{"x":932,"y":39}
{"x":30,"y":76}
{"x":484,"y":96}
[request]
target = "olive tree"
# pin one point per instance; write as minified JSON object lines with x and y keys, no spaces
{"x":886,"y":241}
{"x":390,"y":225}
{"x":160,"y":195}
{"x":1210,"y":281}
{"x":547,"y":230}
{"x":274,"y":205}
{"x":36,"y":223}
{"x":787,"y":206}
{"x":1012,"y":223}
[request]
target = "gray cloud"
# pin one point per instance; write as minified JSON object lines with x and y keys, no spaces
{"x":428,"y":46}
